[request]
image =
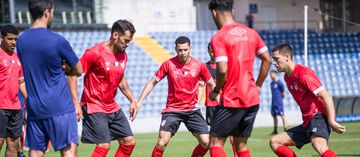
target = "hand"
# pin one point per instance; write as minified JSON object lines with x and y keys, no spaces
{"x":66,"y":68}
{"x":133,"y":110}
{"x":214,"y":95}
{"x":337,"y":127}
{"x":259,"y":89}
{"x":78,"y":111}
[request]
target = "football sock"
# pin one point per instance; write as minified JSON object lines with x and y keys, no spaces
{"x":157,"y":152}
{"x":100,"y":152}
{"x":284,"y":151}
{"x":216,"y":151}
{"x":124,"y":150}
{"x":244,"y":153}
{"x":233,"y":147}
{"x":199,"y":151}
{"x":329,"y":153}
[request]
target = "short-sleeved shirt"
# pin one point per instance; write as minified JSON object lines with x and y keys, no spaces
{"x":211,"y":66}
{"x":103,"y":70}
{"x":238,"y":45}
{"x":277,"y":88}
{"x":182,"y":83}
{"x":10,"y":74}
{"x":42,"y":54}
{"x":304,"y":85}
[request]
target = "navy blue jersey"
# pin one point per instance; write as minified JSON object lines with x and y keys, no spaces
{"x":276,"y":89}
{"x":42,"y":53}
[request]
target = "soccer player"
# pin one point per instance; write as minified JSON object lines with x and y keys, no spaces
{"x":235,"y":47}
{"x":277,"y":106}
{"x":183,"y":73}
{"x":316,"y":105}
{"x":104,"y":67}
{"x":52,"y":112}
{"x":12,"y":80}
{"x":212,"y":104}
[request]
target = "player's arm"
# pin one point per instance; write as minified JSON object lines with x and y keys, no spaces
{"x":125,"y":89}
{"x":146,"y":91}
{"x":264,"y":68}
{"x":22,"y":89}
{"x":73,"y":71}
{"x":200,"y":90}
{"x":329,"y":105}
{"x":72,"y":82}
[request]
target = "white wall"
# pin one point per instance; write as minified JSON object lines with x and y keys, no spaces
{"x":152,"y":15}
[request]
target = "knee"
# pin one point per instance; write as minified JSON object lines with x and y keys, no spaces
{"x":130,"y":140}
{"x":104,"y":145}
{"x":161,"y":144}
{"x":274,"y":142}
{"x":319,"y":146}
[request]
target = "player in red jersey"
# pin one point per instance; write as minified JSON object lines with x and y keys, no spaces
{"x":316,"y":105}
{"x":211,"y":104}
{"x":104,"y":67}
{"x":235,"y":48}
{"x":12,"y":80}
{"x":183,"y":73}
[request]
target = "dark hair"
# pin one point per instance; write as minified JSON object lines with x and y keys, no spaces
{"x":38,"y":7}
{"x":182,"y":40}
{"x":8,"y":29}
{"x":284,"y":48}
{"x":223,"y":5}
{"x":121,"y":26}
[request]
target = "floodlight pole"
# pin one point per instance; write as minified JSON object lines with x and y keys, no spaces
{"x":306,"y":34}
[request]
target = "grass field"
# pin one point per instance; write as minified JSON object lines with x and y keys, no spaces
{"x":182,"y":144}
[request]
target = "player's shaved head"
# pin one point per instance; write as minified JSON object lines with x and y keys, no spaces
{"x":284,"y":49}
{"x":121,"y":26}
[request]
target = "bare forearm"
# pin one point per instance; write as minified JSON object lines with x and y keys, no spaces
{"x":72,"y":81}
{"x":330,"y":110}
{"x":264,"y":70}
{"x":146,"y":91}
{"x":127,"y":92}
{"x":22,"y":89}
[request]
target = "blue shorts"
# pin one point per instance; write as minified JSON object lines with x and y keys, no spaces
{"x":60,"y":130}
{"x":277,"y":110}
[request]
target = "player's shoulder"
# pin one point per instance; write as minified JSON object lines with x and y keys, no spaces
{"x":304,"y":70}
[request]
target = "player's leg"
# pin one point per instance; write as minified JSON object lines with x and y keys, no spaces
{"x":275,"y":125}
{"x":297,"y":136}
{"x":284,"y":122}
{"x":233,"y":146}
{"x":13,"y":132}
{"x":96,"y":131}
{"x":63,"y":134}
{"x":320,"y":134}
{"x":3,"y":124}
{"x":121,"y":131}
{"x":243,"y":132}
{"x":169,"y":125}
{"x":35,"y":135}
{"x":197,"y":125}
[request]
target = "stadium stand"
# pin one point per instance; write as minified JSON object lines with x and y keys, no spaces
{"x":334,"y":56}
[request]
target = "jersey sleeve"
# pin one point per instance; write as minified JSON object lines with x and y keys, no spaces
{"x":88,"y":59}
{"x":281,"y":87}
{"x":260,"y":44}
{"x":311,"y":82}
{"x":66,"y":52}
{"x":205,"y":74}
{"x":162,"y":72}
{"x":219,"y":47}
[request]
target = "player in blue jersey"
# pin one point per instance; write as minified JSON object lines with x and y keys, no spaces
{"x":52,"y":109}
{"x":277,"y":106}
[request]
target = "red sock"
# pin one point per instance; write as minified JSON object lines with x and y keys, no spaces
{"x":199,"y":151}
{"x":243,"y":153}
{"x":233,"y":147}
{"x":217,"y":151}
{"x":124,"y":150}
{"x":100,"y":152}
{"x":329,"y":153}
{"x":157,"y":152}
{"x":284,"y":151}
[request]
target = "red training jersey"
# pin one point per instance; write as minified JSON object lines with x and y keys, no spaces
{"x":304,"y":85}
{"x":211,"y":66}
{"x":10,"y":74}
{"x":182,"y":83}
{"x":103,"y":70}
{"x":238,"y":45}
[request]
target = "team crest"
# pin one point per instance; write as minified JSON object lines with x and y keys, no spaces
{"x":193,"y":73}
{"x":12,"y":61}
{"x":291,"y":87}
{"x":296,"y":86}
{"x":116,"y":64}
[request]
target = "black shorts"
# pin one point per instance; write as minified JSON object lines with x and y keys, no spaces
{"x":103,"y":127}
{"x":318,"y":126}
{"x":193,"y":120}
{"x":237,"y":122}
{"x":209,"y":113}
{"x":10,"y":123}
